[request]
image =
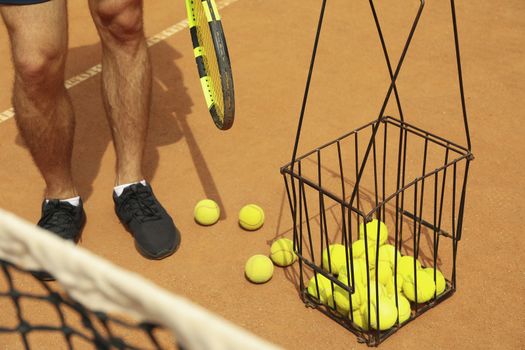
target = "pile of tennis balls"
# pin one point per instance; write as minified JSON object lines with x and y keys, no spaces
{"x":258,"y":268}
{"x":380,"y":277}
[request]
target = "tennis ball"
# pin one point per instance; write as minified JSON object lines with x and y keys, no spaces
{"x":387,"y":252}
{"x":251,"y":217}
{"x":441,"y":284}
{"x":324,"y":285}
{"x":372,"y":286}
{"x":259,"y":269}
{"x":403,"y":308}
{"x":206,"y":212}
{"x":281,"y":252}
{"x":371,"y":231}
{"x":358,"y":248}
{"x":384,"y":272}
{"x":425,"y":287}
{"x":343,"y":297}
{"x":358,"y":268}
{"x":359,"y":320}
{"x":390,"y":286}
{"x":358,"y":252}
{"x":387,"y":313}
{"x":337,"y":258}
{"x":405,"y":266}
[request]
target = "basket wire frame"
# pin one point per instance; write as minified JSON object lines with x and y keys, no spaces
{"x":439,"y":184}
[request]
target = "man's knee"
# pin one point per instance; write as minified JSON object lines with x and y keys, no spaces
{"x":119,"y":21}
{"x":41,"y":69}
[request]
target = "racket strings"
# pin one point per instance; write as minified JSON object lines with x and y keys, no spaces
{"x":210,"y":58}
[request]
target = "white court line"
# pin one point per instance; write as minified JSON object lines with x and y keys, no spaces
{"x":91,"y":72}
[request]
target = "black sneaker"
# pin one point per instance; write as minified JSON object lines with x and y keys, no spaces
{"x":155,"y":234}
{"x":64,"y":220}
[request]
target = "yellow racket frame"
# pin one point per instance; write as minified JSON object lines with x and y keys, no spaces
{"x":213,"y":62}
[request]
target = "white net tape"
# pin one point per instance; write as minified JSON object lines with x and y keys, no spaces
{"x":101,"y":286}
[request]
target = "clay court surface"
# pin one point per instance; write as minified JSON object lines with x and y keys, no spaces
{"x":188,"y":159}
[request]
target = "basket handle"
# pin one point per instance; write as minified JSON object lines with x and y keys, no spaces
{"x":307,"y":88}
{"x":460,"y":74}
{"x":392,"y":87}
{"x":393,"y":76}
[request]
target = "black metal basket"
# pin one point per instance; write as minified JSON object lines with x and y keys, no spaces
{"x":410,"y":179}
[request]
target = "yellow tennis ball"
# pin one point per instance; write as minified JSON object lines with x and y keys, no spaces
{"x":405,"y":266}
{"x":390,"y":286}
{"x":358,"y":248}
{"x":425,"y":287}
{"x":371,"y":288}
{"x":343,"y":297}
{"x":371,"y":231}
{"x":337,"y":258}
{"x":359,"y":252}
{"x":441,"y":284}
{"x":387,"y":313}
{"x":384,"y":272}
{"x":281,"y":252}
{"x":259,"y":269}
{"x":403,"y":310}
{"x":206,"y":212}
{"x":251,"y":217}
{"x":387,"y":252}
{"x":358,"y":267}
{"x":359,"y":320}
{"x":324,"y":285}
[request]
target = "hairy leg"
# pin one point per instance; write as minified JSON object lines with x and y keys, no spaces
{"x":44,"y":114}
{"x":126,"y":81}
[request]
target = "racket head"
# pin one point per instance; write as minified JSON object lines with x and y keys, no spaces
{"x":213,"y":61}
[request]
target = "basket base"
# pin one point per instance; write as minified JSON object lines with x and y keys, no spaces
{"x":374,"y":337}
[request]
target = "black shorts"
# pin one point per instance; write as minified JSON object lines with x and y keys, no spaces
{"x":21,"y":2}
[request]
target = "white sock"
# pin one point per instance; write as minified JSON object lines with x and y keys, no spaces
{"x":120,"y":188}
{"x":75,"y":201}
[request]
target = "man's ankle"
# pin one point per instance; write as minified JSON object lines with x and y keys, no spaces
{"x":61,"y":193}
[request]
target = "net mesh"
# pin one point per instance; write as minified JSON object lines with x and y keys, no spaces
{"x":68,"y":322}
{"x":95,"y":304}
{"x":209,"y":56}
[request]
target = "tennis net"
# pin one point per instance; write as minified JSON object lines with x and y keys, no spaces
{"x":95,"y":304}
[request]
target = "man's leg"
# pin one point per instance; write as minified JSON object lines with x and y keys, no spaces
{"x":126,"y":85}
{"x":44,"y":114}
{"x":126,"y":80}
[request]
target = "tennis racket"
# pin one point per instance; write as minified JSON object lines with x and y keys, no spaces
{"x":213,"y":61}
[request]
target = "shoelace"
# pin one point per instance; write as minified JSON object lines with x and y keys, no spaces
{"x":58,"y":216}
{"x":140,"y":202}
